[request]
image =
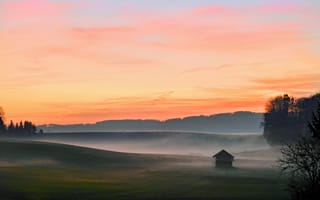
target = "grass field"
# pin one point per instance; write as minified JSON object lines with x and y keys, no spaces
{"x":35,"y":170}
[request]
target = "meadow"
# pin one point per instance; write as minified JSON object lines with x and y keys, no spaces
{"x":40,"y":170}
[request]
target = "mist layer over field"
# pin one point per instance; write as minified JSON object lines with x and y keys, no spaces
{"x":38,"y":170}
{"x":176,"y":143}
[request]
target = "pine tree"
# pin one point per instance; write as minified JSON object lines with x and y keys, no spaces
{"x":33,"y":128}
{"x":314,"y":125}
{"x":26,"y":127}
{"x":3,"y":127}
{"x":21,"y":128}
{"x":16,"y":128}
{"x":11,"y":128}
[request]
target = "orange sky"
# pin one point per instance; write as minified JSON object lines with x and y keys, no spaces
{"x":83,"y":61}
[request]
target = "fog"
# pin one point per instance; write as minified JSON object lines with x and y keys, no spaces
{"x":172,"y":143}
{"x":171,"y":149}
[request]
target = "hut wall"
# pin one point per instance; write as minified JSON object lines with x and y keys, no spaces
{"x":223,"y":164}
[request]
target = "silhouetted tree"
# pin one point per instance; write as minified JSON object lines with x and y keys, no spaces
{"x":286,"y":119}
{"x":301,"y":160}
{"x":16,"y":128}
{"x":29,"y":127}
{"x":280,"y":104}
{"x":279,"y":114}
{"x":11,"y":128}
{"x":20,"y":128}
{"x":306,"y":107}
{"x":3,"y":127}
{"x":314,"y":125}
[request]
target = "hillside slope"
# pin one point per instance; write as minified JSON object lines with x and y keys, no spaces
{"x":38,"y":170}
{"x":30,"y":153}
{"x":242,"y":122}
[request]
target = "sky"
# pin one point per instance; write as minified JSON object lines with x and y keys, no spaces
{"x":82,"y":61}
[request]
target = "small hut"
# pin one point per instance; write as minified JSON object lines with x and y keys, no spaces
{"x":223,"y":159}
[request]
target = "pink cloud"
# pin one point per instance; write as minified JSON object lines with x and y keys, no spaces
{"x":212,"y":10}
{"x":229,"y":30}
{"x":226,"y":31}
{"x":286,"y":10}
{"x":98,"y":34}
{"x":280,"y":9}
{"x":224,"y":38}
{"x":283,"y":9}
{"x":296,"y":85}
{"x":223,"y":29}
{"x":33,"y":9}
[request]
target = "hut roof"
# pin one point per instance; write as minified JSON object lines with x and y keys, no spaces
{"x":223,"y":153}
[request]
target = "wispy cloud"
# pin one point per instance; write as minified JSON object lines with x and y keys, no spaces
{"x":300,"y":85}
{"x":201,"y":69}
{"x":206,"y":59}
{"x":239,"y":66}
{"x":148,"y":108}
{"x":213,"y":10}
{"x":26,"y":11}
{"x":296,"y":85}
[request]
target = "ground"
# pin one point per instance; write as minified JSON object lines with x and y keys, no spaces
{"x":36,"y":170}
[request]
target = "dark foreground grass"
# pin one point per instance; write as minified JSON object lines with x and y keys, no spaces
{"x":158,"y":178}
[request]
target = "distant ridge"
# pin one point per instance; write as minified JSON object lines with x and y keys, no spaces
{"x":238,"y":122}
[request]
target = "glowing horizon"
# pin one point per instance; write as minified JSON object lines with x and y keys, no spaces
{"x":79,"y":61}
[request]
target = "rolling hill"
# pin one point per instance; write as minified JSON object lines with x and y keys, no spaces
{"x":242,"y":122}
{"x":31,"y":153}
{"x":38,"y":170}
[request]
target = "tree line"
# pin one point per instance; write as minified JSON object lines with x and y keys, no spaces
{"x":295,"y":124}
{"x":18,"y":128}
{"x":286,"y":118}
{"x":301,"y":161}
